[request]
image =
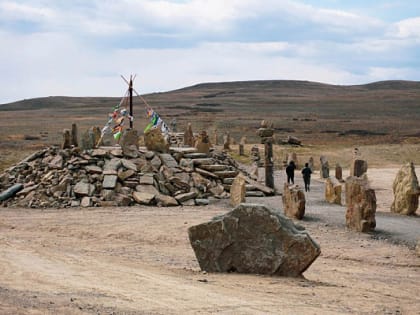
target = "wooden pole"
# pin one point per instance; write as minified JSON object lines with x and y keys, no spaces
{"x":131,"y":100}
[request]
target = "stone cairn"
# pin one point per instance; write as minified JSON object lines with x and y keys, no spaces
{"x":293,"y":201}
{"x":361,"y":204}
{"x":266,"y":133}
{"x":406,"y":191}
{"x":56,"y":177}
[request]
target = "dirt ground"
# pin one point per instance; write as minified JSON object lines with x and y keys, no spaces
{"x":138,"y":260}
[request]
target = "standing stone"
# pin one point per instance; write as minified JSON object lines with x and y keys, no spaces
{"x":226,"y":142}
{"x":238,"y":191}
{"x":255,"y":155}
{"x":406,"y":191}
{"x":241,"y":149}
{"x":333,"y":190}
{"x":293,"y":201}
{"x":325,"y":168}
{"x":253,"y":172}
{"x":66,"y":139}
{"x":189,"y":136}
{"x":358,"y":167}
{"x":129,"y":143}
{"x":338,"y":172}
{"x":91,"y":138}
{"x":361,"y":204}
{"x":215,"y":137}
{"x":154,"y":141}
{"x":74,"y":140}
{"x":253,"y":239}
{"x":202,"y":143}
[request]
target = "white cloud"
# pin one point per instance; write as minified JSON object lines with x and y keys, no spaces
{"x":408,"y":28}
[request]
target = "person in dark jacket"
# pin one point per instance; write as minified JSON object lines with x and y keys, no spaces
{"x":290,"y":172}
{"x":306,"y":172}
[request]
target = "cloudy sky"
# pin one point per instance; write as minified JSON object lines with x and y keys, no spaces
{"x":80,"y":47}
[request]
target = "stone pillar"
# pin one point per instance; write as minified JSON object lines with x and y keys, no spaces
{"x":266,"y":133}
{"x":203,"y":143}
{"x":189,"y":136}
{"x":338,"y":172}
{"x":215,"y":137}
{"x":293,"y":201}
{"x":226,"y":142}
{"x":325,"y":168}
{"x":66,"y":139}
{"x":333,"y":191}
{"x":129,"y":143}
{"x":74,"y":139}
{"x":358,"y":167}
{"x":237,"y":191}
{"x":241,"y":149}
{"x":361,"y":204}
{"x":311,"y":164}
{"x":406,"y":191}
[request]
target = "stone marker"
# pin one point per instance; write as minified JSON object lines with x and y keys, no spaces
{"x":406,"y":191}
{"x":333,"y":190}
{"x":226,"y":142}
{"x":325,"y":168}
{"x":91,"y":138}
{"x":358,"y":167}
{"x":237,"y":191}
{"x":338,"y":172}
{"x":66,"y":144}
{"x":74,"y":139}
{"x":154,"y":141}
{"x":253,"y":239}
{"x":189,"y":136}
{"x":361,"y":204}
{"x":202,"y":144}
{"x":215,"y":137}
{"x":293,"y":201}
{"x":129,"y":143}
{"x":311,"y":164}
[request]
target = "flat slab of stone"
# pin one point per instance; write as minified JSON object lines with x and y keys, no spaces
{"x":147,"y":179}
{"x":203,"y":161}
{"x":195,"y":155}
{"x":93,"y":169}
{"x":168,"y":160}
{"x":129,"y":165}
{"x":84,"y":189}
{"x":109,"y":182}
{"x":214,"y":168}
{"x":266,"y":190}
{"x":205,"y":173}
{"x":226,"y":174}
{"x":255,"y":239}
{"x":254,"y":194}
{"x":184,"y":150}
{"x":187,"y":196}
{"x":166,"y":201}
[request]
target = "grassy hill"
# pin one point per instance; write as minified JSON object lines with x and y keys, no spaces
{"x":376,"y":113}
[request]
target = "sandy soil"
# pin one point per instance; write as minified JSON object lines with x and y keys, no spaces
{"x":138,"y":260}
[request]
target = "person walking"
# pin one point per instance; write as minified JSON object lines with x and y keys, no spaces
{"x":290,"y":172}
{"x":306,"y":172}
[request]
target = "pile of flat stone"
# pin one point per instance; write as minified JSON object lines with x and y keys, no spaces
{"x":72,"y":177}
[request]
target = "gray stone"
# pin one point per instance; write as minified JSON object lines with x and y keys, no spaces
{"x":358,"y":167}
{"x":107,"y":194}
{"x":253,"y":239}
{"x":84,"y":189}
{"x":126,"y":174}
{"x":56,"y":162}
{"x":156,"y":162}
{"x":129,"y":165}
{"x":186,"y":196}
{"x":86,"y":202}
{"x":147,"y":189}
{"x":201,"y":202}
{"x":254,"y":194}
{"x":143,"y":198}
{"x":168,"y":160}
{"x":122,"y":200}
{"x":189,"y":202}
{"x":93,"y":169}
{"x":166,"y":201}
{"x":129,"y":143}
{"x":113,"y":164}
{"x":195,"y":155}
{"x":147,"y":179}
{"x":109,"y":182}
{"x":98,"y":153}
{"x":90,"y":139}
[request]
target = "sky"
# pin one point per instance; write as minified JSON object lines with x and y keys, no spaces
{"x":81,"y":47}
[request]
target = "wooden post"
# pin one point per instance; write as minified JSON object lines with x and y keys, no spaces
{"x":130,"y":88}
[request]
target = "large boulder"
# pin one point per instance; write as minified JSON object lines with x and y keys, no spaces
{"x":333,"y":190}
{"x":406,"y":191}
{"x":253,"y":239}
{"x":293,"y":201}
{"x":361,"y":204}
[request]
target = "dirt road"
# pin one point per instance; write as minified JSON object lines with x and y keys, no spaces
{"x":138,"y":260}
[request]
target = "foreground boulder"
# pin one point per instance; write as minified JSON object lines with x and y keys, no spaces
{"x":361,"y":204}
{"x":253,"y":239}
{"x":293,"y":201}
{"x":406,"y":191}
